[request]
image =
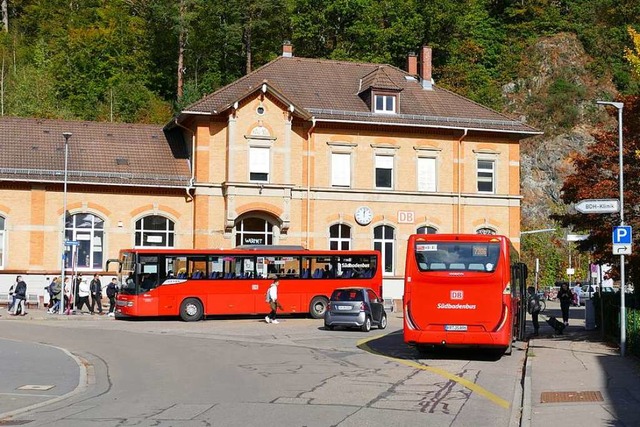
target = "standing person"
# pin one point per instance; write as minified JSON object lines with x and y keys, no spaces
{"x":112,"y":291}
{"x":533,"y":307}
{"x":272,"y":299}
{"x":577,"y":291}
{"x":608,"y":281}
{"x":66,"y":291}
{"x":20,"y":295}
{"x":565,"y":296}
{"x":12,"y":295}
{"x":83,"y":296}
{"x":96,"y":293}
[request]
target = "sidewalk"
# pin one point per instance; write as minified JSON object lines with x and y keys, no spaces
{"x":575,"y":379}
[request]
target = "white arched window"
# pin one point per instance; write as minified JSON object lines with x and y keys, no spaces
{"x":254,"y":231}
{"x":156,"y":231}
{"x":427,"y":230}
{"x":339,"y":237}
{"x":384,"y":242}
{"x":86,"y":231}
{"x":485,"y":230}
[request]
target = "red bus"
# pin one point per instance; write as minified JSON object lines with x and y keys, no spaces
{"x":200,"y":282}
{"x":463,"y":290}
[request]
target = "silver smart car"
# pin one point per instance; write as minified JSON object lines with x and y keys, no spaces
{"x":355,"y":308}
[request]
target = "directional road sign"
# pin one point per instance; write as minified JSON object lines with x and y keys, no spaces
{"x":597,"y":206}
{"x":622,"y":240}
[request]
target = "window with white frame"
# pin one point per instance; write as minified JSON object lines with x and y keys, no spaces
{"x":156,"y":231}
{"x":340,"y":169}
{"x":384,"y":171}
{"x":427,"y":230}
{"x":2,"y":234}
{"x":88,"y":231}
{"x":384,"y":242}
{"x":427,"y":174}
{"x":384,"y":104}
{"x":339,"y":237}
{"x":259,"y":164}
{"x":254,"y":231}
{"x":486,"y":176}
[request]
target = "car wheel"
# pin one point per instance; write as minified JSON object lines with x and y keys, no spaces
{"x":329,"y":327}
{"x":383,"y":321}
{"x":366,"y":326}
{"x":318,"y":307}
{"x":191,"y":310}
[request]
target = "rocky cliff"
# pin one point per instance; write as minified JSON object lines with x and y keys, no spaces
{"x":556,"y":93}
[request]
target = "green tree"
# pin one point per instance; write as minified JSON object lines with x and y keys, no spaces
{"x":596,"y":177}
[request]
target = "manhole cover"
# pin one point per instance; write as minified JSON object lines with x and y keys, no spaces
{"x":570,"y":396}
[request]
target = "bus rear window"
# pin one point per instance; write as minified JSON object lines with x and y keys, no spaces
{"x":456,"y":256}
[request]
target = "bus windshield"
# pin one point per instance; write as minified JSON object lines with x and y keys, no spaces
{"x":452,"y":256}
{"x":127,"y":273}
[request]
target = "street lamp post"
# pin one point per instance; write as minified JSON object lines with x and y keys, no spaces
{"x":623,"y":315}
{"x":66,"y":135}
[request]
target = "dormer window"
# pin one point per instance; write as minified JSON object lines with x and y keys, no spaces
{"x":380,"y":92}
{"x":384,"y":104}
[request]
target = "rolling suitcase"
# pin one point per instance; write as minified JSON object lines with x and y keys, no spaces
{"x":557,"y":325}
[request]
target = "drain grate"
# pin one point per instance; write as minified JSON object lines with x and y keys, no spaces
{"x":570,"y":396}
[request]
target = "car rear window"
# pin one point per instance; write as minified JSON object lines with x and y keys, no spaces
{"x":347,"y":295}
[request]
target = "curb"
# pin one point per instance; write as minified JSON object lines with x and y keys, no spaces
{"x":83,"y":381}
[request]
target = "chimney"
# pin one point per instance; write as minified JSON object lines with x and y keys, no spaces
{"x":287,"y":49}
{"x":425,"y":68}
{"x":412,"y":64}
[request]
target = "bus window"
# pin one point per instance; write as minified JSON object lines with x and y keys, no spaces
{"x":281,"y":266}
{"x":448,"y":256}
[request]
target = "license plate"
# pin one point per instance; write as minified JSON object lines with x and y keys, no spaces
{"x":455,"y":327}
{"x":344,"y":307}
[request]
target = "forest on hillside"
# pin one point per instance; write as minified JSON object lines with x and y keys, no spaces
{"x":142,"y":60}
{"x":541,"y":61}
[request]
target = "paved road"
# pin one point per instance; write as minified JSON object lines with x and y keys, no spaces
{"x":243,"y":372}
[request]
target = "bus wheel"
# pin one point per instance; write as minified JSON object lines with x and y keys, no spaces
{"x":191,"y":310}
{"x":318,"y":307}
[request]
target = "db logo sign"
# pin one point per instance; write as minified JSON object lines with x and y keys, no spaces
{"x":457,"y":295}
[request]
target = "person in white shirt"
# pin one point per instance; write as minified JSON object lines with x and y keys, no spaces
{"x":608,"y":281}
{"x":272,"y":299}
{"x":84,"y":290}
{"x":577,"y":291}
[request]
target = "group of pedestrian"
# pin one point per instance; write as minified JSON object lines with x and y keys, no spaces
{"x":87,"y":295}
{"x":566,"y":297}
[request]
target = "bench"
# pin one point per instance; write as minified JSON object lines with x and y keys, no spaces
{"x":4,"y":299}
{"x":32,"y":299}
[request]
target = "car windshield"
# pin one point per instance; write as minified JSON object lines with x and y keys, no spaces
{"x":347,"y":295}
{"x":478,"y":256}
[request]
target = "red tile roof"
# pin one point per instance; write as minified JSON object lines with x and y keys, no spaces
{"x":99,"y":153}
{"x":328,"y":90}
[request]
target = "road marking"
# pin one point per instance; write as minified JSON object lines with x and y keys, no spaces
{"x":364,"y":345}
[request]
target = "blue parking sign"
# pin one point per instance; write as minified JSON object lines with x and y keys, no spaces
{"x":622,"y":235}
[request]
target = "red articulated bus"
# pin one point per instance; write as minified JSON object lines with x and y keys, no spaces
{"x":200,"y":282}
{"x":463,"y":290}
